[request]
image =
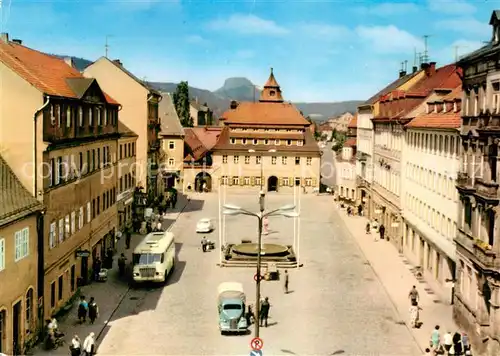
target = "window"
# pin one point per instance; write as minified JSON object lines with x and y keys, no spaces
{"x":225,"y":180}
{"x":258,"y":159}
{"x":224,"y":159}
{"x":67,"y":226}
{"x":105,"y":112}
{"x":59,"y":170}
{"x":171,"y":145}
{"x":288,"y":142}
{"x":52,"y":235}
{"x":53,"y":295}
{"x":283,"y":161}
{"x":53,"y":123}
{"x":300,"y":143}
{"x":98,"y":110}
{"x":236,"y":180}
{"x":273,"y":160}
{"x":258,"y":180}
{"x":309,"y":161}
{"x":68,"y":117}
{"x":255,"y":141}
{"x":247,"y":159}
{"x":266,"y":142}
{"x":61,"y":230}
{"x":22,"y":243}
{"x":60,"y":288}
{"x":80,"y":116}
{"x":2,"y":255}
{"x":29,"y":309}
{"x":247,"y":180}
{"x":171,"y":162}
{"x":73,"y":222}
{"x":80,"y":218}
{"x":244,"y":141}
{"x":233,"y":141}
{"x":98,"y":204}
{"x":286,"y":182}
{"x":89,"y":212}
{"x":308,"y":182}
{"x":236,"y":159}
{"x":277,"y":142}
{"x":90,"y":117}
{"x":297,"y":182}
{"x":58,"y":115}
{"x":297,"y":160}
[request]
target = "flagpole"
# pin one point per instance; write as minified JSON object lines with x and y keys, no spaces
{"x":298,"y":230}
{"x":224,"y":194}
{"x":294,"y":219}
{"x":220,"y":220}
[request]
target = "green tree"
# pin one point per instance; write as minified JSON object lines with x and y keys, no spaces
{"x":181,"y":102}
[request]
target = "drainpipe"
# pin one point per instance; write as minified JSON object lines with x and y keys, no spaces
{"x":35,"y":147}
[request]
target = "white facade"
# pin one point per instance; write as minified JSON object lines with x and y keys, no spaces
{"x":430,"y":202}
{"x":346,"y":174}
{"x":364,"y":145}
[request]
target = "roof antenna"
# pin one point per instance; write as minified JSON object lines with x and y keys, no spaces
{"x":106,"y":46}
{"x":415,"y":57}
{"x":405,"y":65}
{"x":425,"y":56}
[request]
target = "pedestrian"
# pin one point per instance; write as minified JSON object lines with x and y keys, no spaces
{"x":360,"y":210}
{"x":375,"y":230}
{"x":457,"y":344}
{"x":368,"y":228}
{"x":413,"y":296}
{"x":436,"y":339}
{"x":285,"y":285}
{"x":121,"y":265}
{"x":93,"y":310}
{"x":109,"y":258}
{"x":264,"y":312}
{"x":465,"y":342}
{"x":204,"y":244}
{"x":83,"y":307}
{"x":75,"y":347}
{"x":381,"y":231}
{"x":414,"y":316}
{"x":97,"y":268}
{"x":159,"y":226}
{"x":128,"y":238}
{"x":447,"y":341}
{"x":249,"y":315}
{"x":89,"y":345}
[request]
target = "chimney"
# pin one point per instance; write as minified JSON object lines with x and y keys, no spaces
{"x":18,"y":41}
{"x":402,"y":73}
{"x":432,"y":68}
{"x":234,"y":104}
{"x":4,"y":36}
{"x":414,"y":69}
{"x":117,"y":61}
{"x":69,"y":61}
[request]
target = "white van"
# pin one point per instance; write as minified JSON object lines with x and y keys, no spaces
{"x":154,"y":257}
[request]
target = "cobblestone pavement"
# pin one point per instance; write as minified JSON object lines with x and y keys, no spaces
{"x":397,"y":279}
{"x":108,"y":295}
{"x":337,"y":305}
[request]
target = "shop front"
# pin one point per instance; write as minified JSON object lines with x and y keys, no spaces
{"x":388,"y":214}
{"x":125,"y":208}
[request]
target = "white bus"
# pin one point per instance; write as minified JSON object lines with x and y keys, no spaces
{"x":154,"y":257}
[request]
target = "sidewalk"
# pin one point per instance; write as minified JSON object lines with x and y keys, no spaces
{"x":397,"y":280}
{"x":108,"y":295}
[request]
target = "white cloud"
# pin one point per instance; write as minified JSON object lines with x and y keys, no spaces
{"x":389,"y":39}
{"x":388,"y":9}
{"x":449,"y":53}
{"x":453,"y":7}
{"x":324,"y":31}
{"x":468,"y":26}
{"x":248,"y":25}
{"x":196,"y":39}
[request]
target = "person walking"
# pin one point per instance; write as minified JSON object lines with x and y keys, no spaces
{"x":465,"y":343}
{"x":413,"y":296}
{"x":381,"y":231}
{"x":83,"y":307}
{"x":122,"y":260}
{"x":360,"y":210}
{"x":447,"y":341}
{"x":97,"y":265}
{"x":375,"y":230}
{"x":368,"y":228}
{"x":264,"y":312}
{"x":128,"y":237}
{"x":93,"y":310}
{"x":285,"y":285}
{"x":414,"y":316}
{"x":89,"y":345}
{"x":75,"y":347}
{"x":457,"y":344}
{"x":436,"y":339}
{"x":204,"y":244}
{"x":249,"y":315}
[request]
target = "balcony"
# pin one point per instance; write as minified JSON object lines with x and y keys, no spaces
{"x":361,"y":156}
{"x":485,"y":256}
{"x":361,"y":182}
{"x":464,"y":182}
{"x":487,"y":191}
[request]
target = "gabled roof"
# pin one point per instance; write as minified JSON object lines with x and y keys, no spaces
{"x":270,"y":113}
{"x":16,"y":201}
{"x":353,"y":124}
{"x":81,"y":85}
{"x":449,"y":120}
{"x":49,"y":74}
{"x":124,"y":130}
{"x":170,"y":123}
{"x":200,"y":140}
{"x":392,"y":86}
{"x":200,"y":107}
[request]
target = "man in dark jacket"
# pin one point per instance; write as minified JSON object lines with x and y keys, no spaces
{"x":381,"y":231}
{"x":264,"y":312}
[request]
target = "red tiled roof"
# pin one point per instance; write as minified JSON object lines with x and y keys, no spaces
{"x":45,"y":72}
{"x":353,"y":124}
{"x":456,"y":94}
{"x":351,"y":142}
{"x":270,"y":113}
{"x":208,"y":136}
{"x":450,"y":120}
{"x":268,"y":135}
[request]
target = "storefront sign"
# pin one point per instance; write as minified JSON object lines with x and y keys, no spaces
{"x":82,"y":253}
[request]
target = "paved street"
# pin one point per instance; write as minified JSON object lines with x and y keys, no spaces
{"x":329,"y":176}
{"x":338,"y":306}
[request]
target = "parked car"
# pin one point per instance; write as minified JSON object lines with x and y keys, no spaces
{"x":204,"y":226}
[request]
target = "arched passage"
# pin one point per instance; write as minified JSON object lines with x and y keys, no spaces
{"x":272,"y":184}
{"x":203,"y":182}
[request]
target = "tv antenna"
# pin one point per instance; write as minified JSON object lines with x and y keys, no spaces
{"x":457,"y":48}
{"x":106,"y":45}
{"x":425,"y":55}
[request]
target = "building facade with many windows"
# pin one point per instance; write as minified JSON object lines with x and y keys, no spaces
{"x":126,"y":167}
{"x":19,"y":264}
{"x":477,"y":291}
{"x":429,"y":200}
{"x":345,"y":163}
{"x":267,"y":145}
{"x":60,"y":140}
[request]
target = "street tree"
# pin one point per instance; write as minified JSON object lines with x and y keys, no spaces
{"x":181,"y":102}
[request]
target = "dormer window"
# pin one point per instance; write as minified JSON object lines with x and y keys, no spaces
{"x":90,"y":117}
{"x":266,"y":142}
{"x":255,"y":141}
{"x":233,"y":141}
{"x":68,"y":117}
{"x":244,"y":141}
{"x":277,"y":142}
{"x":80,"y":116}
{"x":288,"y":142}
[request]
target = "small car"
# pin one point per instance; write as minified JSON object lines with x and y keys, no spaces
{"x":204,"y":226}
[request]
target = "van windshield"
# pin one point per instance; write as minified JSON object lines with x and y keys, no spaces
{"x":147,"y":258}
{"x":232,"y":307}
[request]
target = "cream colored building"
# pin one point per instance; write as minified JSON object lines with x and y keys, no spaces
{"x":430,"y":200}
{"x":266,"y":145}
{"x":340,"y":122}
{"x":59,"y":141}
{"x":139,"y":112}
{"x":346,"y":173}
{"x":172,"y":149}
{"x":19,"y":258}
{"x":201,"y":114}
{"x":126,"y":170}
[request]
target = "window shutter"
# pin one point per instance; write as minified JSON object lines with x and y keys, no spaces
{"x":231,"y":180}
{"x":291,"y":182}
{"x":242,"y":180}
{"x":314,"y":182}
{"x":252,"y":181}
{"x":26,"y":241}
{"x":280,"y":181}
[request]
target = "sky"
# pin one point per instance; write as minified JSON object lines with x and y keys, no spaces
{"x":321,"y":51}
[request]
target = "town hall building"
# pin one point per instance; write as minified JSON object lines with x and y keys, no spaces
{"x":266,"y":145}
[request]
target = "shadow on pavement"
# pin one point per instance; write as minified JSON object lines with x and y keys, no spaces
{"x":178,"y":247}
{"x":194,"y":205}
{"x":177,"y":273}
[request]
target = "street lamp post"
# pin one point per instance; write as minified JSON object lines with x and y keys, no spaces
{"x":272,"y":150}
{"x":286,"y":211}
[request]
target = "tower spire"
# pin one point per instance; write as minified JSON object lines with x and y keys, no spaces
{"x":271,"y":91}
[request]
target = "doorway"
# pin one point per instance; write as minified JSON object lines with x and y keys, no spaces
{"x":272,"y":184}
{"x":16,"y":329}
{"x":84,"y":271}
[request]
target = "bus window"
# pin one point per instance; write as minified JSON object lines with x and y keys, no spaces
{"x":147,"y":258}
